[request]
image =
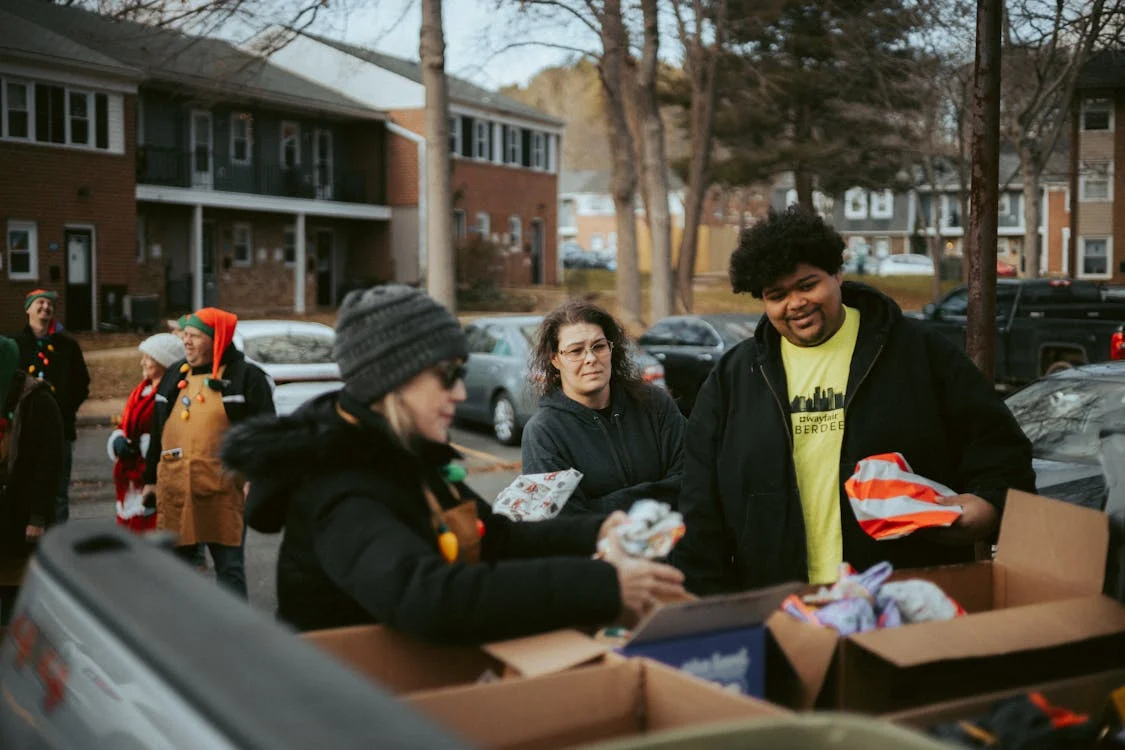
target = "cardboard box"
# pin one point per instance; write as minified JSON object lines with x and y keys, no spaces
{"x":1036,"y":613}
{"x":614,"y":700}
{"x":403,"y":664}
{"x":722,"y":639}
{"x":1085,"y":695}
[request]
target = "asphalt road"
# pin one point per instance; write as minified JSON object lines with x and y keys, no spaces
{"x":491,"y":467}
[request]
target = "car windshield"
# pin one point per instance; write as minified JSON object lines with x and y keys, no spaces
{"x":1062,"y":416}
{"x":733,"y":330}
{"x":289,"y":349}
{"x":529,"y":332}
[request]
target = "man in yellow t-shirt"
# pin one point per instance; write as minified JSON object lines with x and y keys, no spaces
{"x":817,"y":377}
{"x":834,"y":373}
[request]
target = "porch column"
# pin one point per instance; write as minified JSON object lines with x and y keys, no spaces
{"x":299,"y":266}
{"x":197,"y":256}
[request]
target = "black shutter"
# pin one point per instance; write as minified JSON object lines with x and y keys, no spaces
{"x":101,"y":121}
{"x":492,"y":141}
{"x":504,"y":144}
{"x":467,"y":136}
{"x":525,"y":148}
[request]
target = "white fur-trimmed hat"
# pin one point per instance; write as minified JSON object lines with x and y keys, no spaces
{"x":165,"y":348}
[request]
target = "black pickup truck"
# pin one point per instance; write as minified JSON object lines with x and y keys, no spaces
{"x":1042,"y":325}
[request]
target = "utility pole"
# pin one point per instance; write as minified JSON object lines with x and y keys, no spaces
{"x":980,"y":333}
{"x":440,"y":267}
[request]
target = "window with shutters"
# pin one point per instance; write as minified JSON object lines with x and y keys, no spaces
{"x":53,"y":114}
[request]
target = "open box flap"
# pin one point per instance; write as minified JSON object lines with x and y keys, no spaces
{"x":712,"y":614}
{"x":1058,"y":540}
{"x":1006,"y":631}
{"x":809,"y":649}
{"x":547,"y":653}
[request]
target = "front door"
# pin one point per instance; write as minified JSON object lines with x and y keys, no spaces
{"x":210,"y":280}
{"x":536,"y":251}
{"x":322,"y":164}
{"x":202,"y":158}
{"x":325,"y":263}
{"x":79,"y":289}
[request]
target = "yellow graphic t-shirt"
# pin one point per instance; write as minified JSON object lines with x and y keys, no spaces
{"x":817,"y":377}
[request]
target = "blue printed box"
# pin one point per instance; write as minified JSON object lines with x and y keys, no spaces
{"x":718,"y":638}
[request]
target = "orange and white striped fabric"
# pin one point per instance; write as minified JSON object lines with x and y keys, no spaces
{"x":891,"y":501}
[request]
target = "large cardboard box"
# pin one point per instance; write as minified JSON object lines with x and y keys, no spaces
{"x":613,"y":700}
{"x":1036,"y":613}
{"x":1088,"y":695}
{"x":403,"y":664}
{"x":719,"y":638}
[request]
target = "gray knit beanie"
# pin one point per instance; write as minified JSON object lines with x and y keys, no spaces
{"x":386,"y":335}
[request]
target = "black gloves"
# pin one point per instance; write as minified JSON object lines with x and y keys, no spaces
{"x":123,"y":448}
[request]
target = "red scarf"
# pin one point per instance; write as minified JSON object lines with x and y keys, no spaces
{"x":136,"y":420}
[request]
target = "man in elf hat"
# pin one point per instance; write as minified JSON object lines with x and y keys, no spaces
{"x":198,"y":399}
{"x":31,"y":443}
{"x":49,"y":354}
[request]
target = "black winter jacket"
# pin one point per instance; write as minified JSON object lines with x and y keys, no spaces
{"x":66,"y":371}
{"x":360,"y":547}
{"x":30,"y":476}
{"x":909,"y":390}
{"x":637,"y":453}
{"x":248,"y":393}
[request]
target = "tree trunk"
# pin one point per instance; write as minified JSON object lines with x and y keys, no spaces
{"x":440,"y":266}
{"x":980,"y":334}
{"x":624,"y":175}
{"x":703,"y":70}
{"x":655,"y":170}
{"x":802,"y":175}
{"x":1032,"y":244}
{"x":935,"y":240}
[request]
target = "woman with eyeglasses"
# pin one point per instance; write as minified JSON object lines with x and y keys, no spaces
{"x":598,"y":416}
{"x":379,"y":526}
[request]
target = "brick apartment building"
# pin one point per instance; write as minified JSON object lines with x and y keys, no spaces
{"x":505,"y":155}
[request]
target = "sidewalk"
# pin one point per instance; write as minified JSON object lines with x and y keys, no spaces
{"x":99,"y":412}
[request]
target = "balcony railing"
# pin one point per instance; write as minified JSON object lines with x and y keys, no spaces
{"x":177,"y":168}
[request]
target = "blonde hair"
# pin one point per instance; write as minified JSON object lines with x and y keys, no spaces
{"x":398,"y":416}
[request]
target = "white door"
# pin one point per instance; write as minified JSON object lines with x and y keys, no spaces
{"x":202,"y":156}
{"x":322,"y":164}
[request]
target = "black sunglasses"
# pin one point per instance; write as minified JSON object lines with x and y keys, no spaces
{"x":449,"y":373}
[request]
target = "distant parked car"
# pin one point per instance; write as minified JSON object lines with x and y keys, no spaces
{"x":289,"y":350}
{"x":288,"y":397}
{"x":498,"y":382}
{"x":908,"y":264}
{"x":1006,"y":270}
{"x":689,"y":346}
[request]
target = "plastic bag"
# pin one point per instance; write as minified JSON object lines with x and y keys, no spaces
{"x":890,"y":501}
{"x":651,"y":532}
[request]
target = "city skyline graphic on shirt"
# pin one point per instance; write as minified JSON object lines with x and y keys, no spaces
{"x":821,"y":400}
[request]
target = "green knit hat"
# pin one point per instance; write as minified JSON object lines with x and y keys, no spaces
{"x":39,"y":294}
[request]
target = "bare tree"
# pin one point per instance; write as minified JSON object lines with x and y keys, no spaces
{"x":655,"y":168}
{"x":700,"y":25}
{"x":440,"y":272}
{"x":1046,"y":44}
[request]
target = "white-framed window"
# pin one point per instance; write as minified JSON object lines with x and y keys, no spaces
{"x":882,"y":204}
{"x":597,"y":243}
{"x":79,"y":115}
{"x":515,"y":232}
{"x":882,"y":246}
{"x":1097,"y":114}
{"x":50,"y":113}
{"x":1096,"y":181}
{"x":243,"y":245}
{"x":460,"y":226}
{"x":290,"y":144}
{"x":855,"y":203}
{"x":790,"y":197}
{"x":1095,"y":255}
{"x":538,"y":151}
{"x":289,"y":247}
{"x":23,"y":251}
{"x":950,"y":212}
{"x":514,"y":150}
{"x":1004,"y":204}
{"x":17,"y":110}
{"x":484,"y":224}
{"x":1003,"y":246}
{"x":481,"y":135}
{"x":241,"y":137}
{"x":455,"y":135}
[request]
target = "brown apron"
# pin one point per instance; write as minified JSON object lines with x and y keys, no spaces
{"x":195,"y":497}
{"x":462,"y":521}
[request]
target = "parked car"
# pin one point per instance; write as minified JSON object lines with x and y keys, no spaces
{"x":289,"y":350}
{"x":908,"y":264}
{"x":1006,"y":270}
{"x":1041,"y":325}
{"x":689,"y":346}
{"x":287,"y":397}
{"x":498,"y":382}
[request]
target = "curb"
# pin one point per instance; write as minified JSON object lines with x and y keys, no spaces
{"x":93,"y":420}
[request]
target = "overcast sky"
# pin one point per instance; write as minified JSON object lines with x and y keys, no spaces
{"x":476,"y":34}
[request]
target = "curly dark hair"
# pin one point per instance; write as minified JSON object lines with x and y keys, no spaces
{"x":773,"y":247}
{"x":546,"y":378}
